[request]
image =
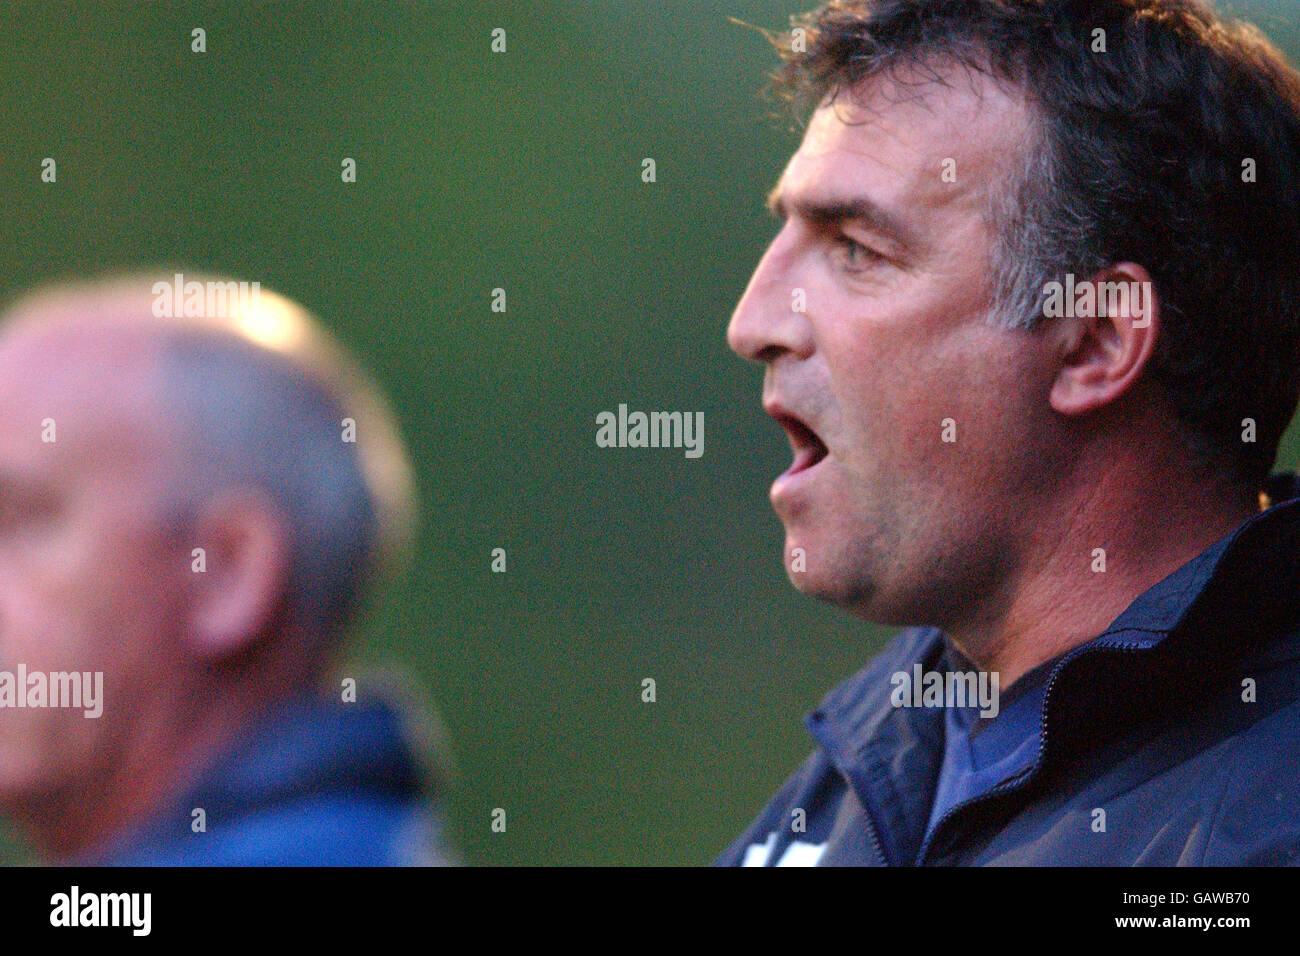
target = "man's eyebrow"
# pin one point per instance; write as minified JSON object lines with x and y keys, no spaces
{"x":834,"y":211}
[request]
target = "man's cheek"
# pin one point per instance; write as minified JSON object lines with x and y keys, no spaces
{"x":56,"y":568}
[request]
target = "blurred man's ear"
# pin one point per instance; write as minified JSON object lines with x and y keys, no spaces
{"x":242,"y":575}
{"x":1102,"y":355}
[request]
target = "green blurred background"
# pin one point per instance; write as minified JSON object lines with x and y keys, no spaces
{"x":475,"y":171}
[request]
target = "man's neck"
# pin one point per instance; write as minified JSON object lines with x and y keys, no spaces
{"x":1115,"y":539}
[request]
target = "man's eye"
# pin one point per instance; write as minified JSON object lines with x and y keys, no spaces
{"x":856,"y":255}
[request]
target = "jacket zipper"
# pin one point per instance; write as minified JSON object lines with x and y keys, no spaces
{"x":1020,"y":779}
{"x":875,"y":839}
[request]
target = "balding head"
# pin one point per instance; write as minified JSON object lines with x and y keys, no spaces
{"x":192,"y":504}
{"x":253,"y":397}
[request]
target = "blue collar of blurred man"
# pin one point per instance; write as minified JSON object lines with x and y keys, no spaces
{"x":316,"y":782}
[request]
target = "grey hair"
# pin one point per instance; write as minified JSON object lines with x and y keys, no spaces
{"x":256,"y":418}
{"x":1040,"y":229}
{"x":1027,"y":248}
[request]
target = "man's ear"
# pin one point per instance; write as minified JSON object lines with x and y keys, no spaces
{"x":1106,"y":338}
{"x":242,"y":576}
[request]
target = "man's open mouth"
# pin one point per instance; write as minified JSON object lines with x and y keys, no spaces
{"x":807,"y":446}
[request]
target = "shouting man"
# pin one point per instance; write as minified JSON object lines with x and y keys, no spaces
{"x":1031,"y":323}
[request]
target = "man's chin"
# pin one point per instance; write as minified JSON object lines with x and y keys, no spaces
{"x":19,"y":787}
{"x":809,"y":579}
{"x":830,"y":583}
{"x":25,"y":777}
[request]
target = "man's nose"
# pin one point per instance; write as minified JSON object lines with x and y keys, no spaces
{"x":769,"y":319}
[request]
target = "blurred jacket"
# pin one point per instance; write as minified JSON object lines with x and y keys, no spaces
{"x":314,"y":783}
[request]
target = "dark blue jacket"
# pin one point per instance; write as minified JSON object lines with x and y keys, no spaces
{"x":1153,"y":723}
{"x":314,"y":783}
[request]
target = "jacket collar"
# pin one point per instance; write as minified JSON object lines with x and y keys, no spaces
{"x":1250,"y":574}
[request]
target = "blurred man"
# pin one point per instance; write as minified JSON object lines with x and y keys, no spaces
{"x":1032,"y":327}
{"x":197,"y":487}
